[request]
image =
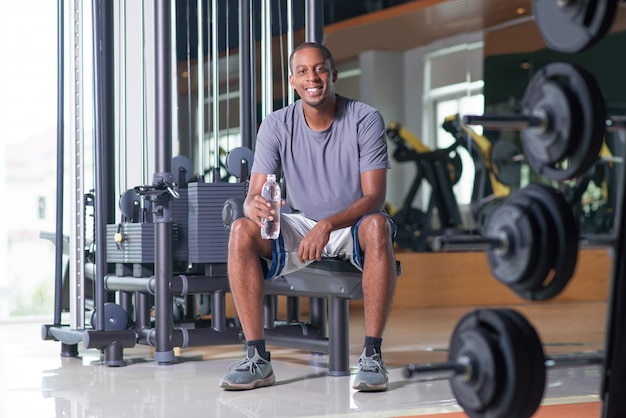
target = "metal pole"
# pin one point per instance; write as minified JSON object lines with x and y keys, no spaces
{"x":245,"y":74}
{"x":200,"y":110}
{"x":215,"y":67}
{"x":58,"y":280}
{"x":315,"y":21}
{"x":77,"y":234}
{"x":267,"y":89}
{"x":99,"y":141}
{"x":164,"y":353}
{"x":290,"y":46}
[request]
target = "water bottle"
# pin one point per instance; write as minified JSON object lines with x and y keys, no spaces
{"x":271,"y":193}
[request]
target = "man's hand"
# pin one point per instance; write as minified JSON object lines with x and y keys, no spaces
{"x":259,"y":208}
{"x":313,"y":243}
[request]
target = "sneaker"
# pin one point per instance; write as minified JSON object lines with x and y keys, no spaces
{"x":248,"y":373}
{"x":371,"y":375}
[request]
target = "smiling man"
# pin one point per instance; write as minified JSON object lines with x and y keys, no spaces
{"x":332,"y":152}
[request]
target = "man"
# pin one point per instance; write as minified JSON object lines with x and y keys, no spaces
{"x":333,"y":153}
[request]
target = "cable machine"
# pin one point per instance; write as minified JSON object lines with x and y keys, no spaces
{"x":167,"y":247}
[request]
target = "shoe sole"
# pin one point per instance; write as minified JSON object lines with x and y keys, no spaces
{"x":365,"y":387}
{"x":259,"y":383}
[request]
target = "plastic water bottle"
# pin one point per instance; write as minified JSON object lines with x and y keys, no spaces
{"x":271,"y":193}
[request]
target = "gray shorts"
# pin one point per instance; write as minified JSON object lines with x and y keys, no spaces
{"x":342,"y":244}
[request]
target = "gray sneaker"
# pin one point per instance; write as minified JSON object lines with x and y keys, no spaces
{"x":371,"y":375}
{"x":248,"y":373}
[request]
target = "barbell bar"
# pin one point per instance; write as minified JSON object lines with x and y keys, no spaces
{"x":463,"y":366}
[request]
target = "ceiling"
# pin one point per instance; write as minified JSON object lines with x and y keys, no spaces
{"x":418,"y":23}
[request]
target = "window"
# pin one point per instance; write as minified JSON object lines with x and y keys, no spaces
{"x":453,"y":85}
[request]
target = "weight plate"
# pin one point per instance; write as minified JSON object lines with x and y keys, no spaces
{"x":584,"y":143}
{"x":182,"y":164}
{"x":506,"y":161}
{"x":513,"y":264}
{"x":531,"y":358}
{"x":482,"y":214}
{"x":566,"y":236}
{"x":235,"y":161}
{"x":115,"y":317}
{"x":412,"y":219}
{"x":505,"y":362}
{"x":544,"y":242}
{"x":129,"y":201}
{"x":551,"y":143}
{"x":478,"y":390}
{"x":573,"y":26}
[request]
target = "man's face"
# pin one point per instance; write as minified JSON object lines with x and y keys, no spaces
{"x":312,"y":76}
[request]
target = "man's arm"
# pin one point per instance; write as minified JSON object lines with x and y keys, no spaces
{"x":374,"y":185}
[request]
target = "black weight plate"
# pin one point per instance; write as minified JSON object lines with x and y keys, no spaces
{"x":573,"y":26}
{"x":513,"y":264}
{"x":548,"y":97}
{"x":531,"y":359}
{"x":584,"y":146}
{"x":478,"y":390}
{"x":115,"y":317}
{"x":544,"y":242}
{"x":236,"y":157}
{"x":566,"y":236}
{"x":506,"y":162}
{"x":410,"y":220}
{"x":515,"y":366}
{"x":129,"y":200}
{"x":181,"y":163}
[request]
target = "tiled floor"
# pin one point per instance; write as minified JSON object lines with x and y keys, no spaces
{"x":36,"y":382}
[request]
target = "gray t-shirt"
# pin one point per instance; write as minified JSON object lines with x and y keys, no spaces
{"x":322,"y":169}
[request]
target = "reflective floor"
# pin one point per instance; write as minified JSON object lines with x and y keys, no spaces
{"x":35,"y":381}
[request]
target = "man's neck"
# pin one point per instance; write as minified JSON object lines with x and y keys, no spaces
{"x":320,"y":118}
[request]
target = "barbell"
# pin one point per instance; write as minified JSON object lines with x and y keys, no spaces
{"x":531,"y":240}
{"x":563,"y":121}
{"x":496,"y":364}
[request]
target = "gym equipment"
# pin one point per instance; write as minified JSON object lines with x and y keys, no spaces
{"x":563,"y":121}
{"x":441,"y":169}
{"x":531,"y":240}
{"x":488,"y":190}
{"x":169,"y":244}
{"x":496,"y":364}
{"x":573,"y":25}
{"x":506,"y":161}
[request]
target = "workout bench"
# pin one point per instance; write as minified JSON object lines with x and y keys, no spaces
{"x":329,"y":283}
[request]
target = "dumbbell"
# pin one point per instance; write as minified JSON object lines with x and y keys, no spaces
{"x":531,"y":241}
{"x":496,"y":364}
{"x":563,"y":121}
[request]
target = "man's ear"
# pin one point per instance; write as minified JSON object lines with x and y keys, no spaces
{"x":291,"y":82}
{"x":335,"y":73}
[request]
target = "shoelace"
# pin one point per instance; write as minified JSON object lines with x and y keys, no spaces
{"x":372,"y":364}
{"x":247,"y":364}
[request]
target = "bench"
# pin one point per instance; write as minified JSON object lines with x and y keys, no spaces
{"x":329,"y":284}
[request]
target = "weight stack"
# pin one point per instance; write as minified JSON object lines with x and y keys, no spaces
{"x":208,"y":238}
{"x":137,"y":245}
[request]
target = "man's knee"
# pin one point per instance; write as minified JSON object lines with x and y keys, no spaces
{"x":375,"y":227}
{"x":245,"y":236}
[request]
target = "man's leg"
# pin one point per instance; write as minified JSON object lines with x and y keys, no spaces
{"x":379,"y":280}
{"x":245,"y":275}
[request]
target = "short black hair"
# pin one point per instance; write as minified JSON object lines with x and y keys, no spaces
{"x":325,"y":52}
